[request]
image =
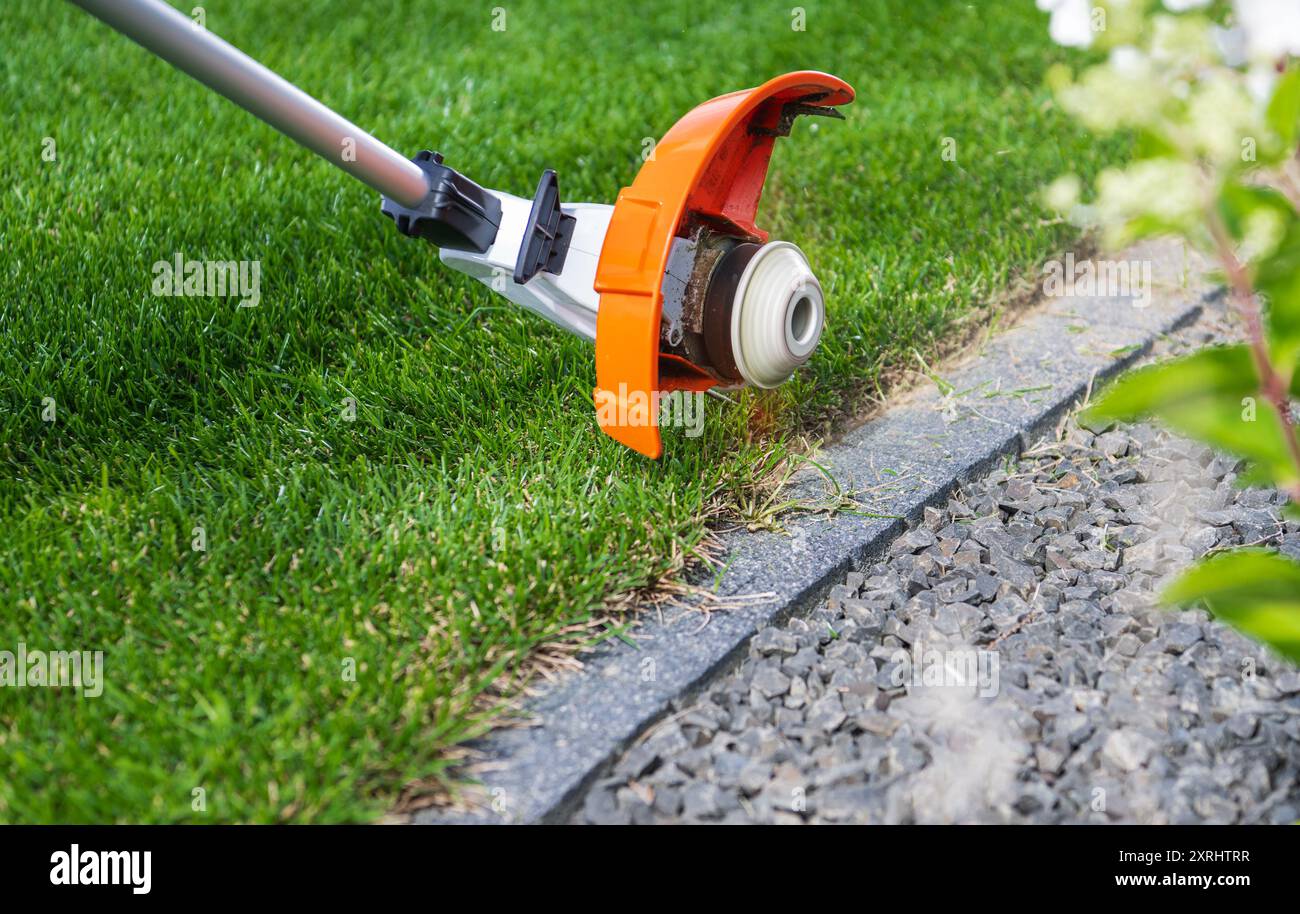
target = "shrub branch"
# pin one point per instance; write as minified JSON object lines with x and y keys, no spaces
{"x":1271,"y":385}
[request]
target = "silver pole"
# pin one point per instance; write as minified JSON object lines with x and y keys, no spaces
{"x":169,"y":34}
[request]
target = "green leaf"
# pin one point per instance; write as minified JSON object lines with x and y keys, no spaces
{"x":1254,"y":590}
{"x":1277,"y":277}
{"x":1239,"y":202}
{"x":1211,"y":395}
{"x":1284,"y":108}
{"x":1226,"y":371}
{"x":1152,"y":145}
{"x":1277,"y":269}
{"x":1252,"y":572}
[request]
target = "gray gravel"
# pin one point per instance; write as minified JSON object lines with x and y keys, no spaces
{"x":1005,"y":662}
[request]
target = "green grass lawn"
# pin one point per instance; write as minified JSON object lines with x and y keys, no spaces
{"x":472,"y":511}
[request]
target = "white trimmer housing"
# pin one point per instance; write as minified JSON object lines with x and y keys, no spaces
{"x":567,"y":298}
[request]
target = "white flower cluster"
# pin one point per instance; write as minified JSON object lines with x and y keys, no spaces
{"x":1195,"y":91}
{"x":1164,"y":190}
{"x":1071,"y":23}
{"x":1269,"y":29}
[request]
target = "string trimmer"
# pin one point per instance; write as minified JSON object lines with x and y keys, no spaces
{"x":675,"y":283}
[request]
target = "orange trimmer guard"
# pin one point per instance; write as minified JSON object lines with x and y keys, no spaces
{"x":712,"y":164}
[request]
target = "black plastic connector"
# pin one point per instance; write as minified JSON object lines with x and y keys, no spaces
{"x":548,"y":233}
{"x":805,"y":105}
{"x":456,"y":214}
{"x":719,"y":300}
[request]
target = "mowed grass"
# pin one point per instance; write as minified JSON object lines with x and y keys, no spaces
{"x":365,"y":583}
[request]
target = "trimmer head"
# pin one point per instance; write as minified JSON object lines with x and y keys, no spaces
{"x":692,"y":294}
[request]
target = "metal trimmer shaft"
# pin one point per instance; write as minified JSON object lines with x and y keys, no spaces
{"x":168,"y":33}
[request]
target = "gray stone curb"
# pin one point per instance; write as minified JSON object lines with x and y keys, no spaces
{"x":915,"y":454}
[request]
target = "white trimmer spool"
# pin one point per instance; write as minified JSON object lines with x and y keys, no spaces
{"x":778,"y":315}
